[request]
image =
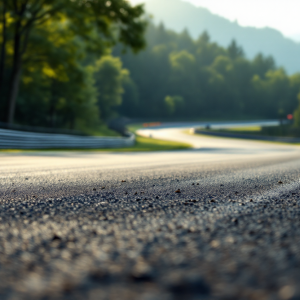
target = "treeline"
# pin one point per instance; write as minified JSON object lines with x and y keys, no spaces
{"x":178,"y":77}
{"x":55,"y":64}
{"x":60,"y":68}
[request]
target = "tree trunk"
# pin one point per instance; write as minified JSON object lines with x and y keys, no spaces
{"x":52,"y":111}
{"x":72,"y":121}
{"x":15,"y":75}
{"x":19,"y":50}
{"x":13,"y":92}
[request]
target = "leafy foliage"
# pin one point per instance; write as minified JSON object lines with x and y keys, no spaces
{"x":211,"y":81}
{"x":109,"y":79}
{"x":48,"y":42}
{"x":73,"y":76}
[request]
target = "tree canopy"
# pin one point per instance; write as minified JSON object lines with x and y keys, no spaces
{"x":43,"y":33}
{"x":211,"y":81}
{"x":71,"y":70}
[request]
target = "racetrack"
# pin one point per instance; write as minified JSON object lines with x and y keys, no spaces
{"x":80,"y":225}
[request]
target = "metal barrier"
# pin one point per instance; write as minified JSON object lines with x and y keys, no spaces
{"x":14,"y":139}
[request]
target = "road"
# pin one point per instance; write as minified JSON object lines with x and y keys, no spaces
{"x":220,"y":221}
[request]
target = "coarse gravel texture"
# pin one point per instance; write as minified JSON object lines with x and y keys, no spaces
{"x":232,"y":232}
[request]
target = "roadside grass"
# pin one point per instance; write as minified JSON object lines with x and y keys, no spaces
{"x":246,"y":129}
{"x":237,"y":138}
{"x":250,"y":128}
{"x":134,"y":127}
{"x":102,"y":130}
{"x":149,"y":144}
{"x":143,"y":144}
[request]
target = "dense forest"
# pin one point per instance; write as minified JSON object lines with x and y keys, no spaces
{"x":179,"y":77}
{"x":77,"y":70}
{"x":54,"y":58}
{"x":197,"y":19}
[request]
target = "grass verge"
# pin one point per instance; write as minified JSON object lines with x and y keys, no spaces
{"x":102,"y":130}
{"x":239,"y":138}
{"x":245,"y":129}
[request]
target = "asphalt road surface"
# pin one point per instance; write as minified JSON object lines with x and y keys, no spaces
{"x":220,"y":221}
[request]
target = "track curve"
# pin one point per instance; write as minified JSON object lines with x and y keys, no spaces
{"x":220,"y":221}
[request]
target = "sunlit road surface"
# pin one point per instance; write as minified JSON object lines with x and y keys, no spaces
{"x":220,"y":221}
{"x":206,"y":149}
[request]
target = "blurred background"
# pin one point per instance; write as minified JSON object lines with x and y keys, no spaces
{"x":78,"y":65}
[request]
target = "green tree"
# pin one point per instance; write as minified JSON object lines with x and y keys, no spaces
{"x":234,"y":51}
{"x":130,"y":99}
{"x":68,"y":101}
{"x":93,"y":21}
{"x":293,"y":93}
{"x":183,"y":79}
{"x":214,"y":81}
{"x":272,"y":92}
{"x":261,"y":65}
{"x":56,"y":89}
{"x":109,"y":77}
{"x":297,"y":114}
{"x":173,"y":103}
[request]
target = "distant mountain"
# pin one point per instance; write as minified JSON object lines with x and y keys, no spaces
{"x":179,"y":15}
{"x":296,"y":37}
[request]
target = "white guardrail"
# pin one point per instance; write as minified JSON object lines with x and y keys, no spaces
{"x":14,"y":139}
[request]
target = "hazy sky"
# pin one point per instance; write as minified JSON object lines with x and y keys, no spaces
{"x":280,"y":14}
